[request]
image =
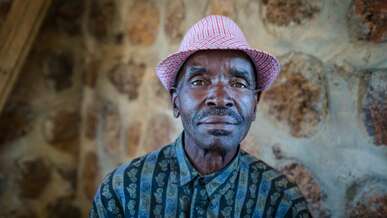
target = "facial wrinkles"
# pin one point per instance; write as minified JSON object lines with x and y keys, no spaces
{"x":219,"y":111}
{"x":230,"y":69}
{"x":219,"y":76}
{"x":217,"y":70}
{"x":211,"y":147}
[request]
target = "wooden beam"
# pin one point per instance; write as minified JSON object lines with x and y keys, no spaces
{"x":16,"y":37}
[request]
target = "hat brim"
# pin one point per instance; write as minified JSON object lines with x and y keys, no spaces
{"x":266,"y":65}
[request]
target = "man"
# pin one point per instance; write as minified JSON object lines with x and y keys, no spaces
{"x":215,"y":81}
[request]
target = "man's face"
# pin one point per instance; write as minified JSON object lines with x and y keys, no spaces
{"x":215,"y":98}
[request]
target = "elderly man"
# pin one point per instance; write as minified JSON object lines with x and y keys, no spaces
{"x":215,"y":81}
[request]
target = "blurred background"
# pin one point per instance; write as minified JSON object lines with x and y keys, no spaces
{"x":79,"y":95}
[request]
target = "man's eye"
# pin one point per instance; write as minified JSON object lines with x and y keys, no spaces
{"x":199,"y":82}
{"x":237,"y":84}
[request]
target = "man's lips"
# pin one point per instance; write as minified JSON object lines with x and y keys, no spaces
{"x":223,"y":120}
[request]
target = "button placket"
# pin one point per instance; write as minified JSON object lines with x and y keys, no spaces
{"x":202,"y":201}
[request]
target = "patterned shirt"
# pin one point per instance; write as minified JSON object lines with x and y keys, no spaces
{"x":163,"y":183}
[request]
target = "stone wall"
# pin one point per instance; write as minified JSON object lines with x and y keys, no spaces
{"x":88,"y":99}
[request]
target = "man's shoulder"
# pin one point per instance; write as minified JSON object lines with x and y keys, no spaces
{"x":164,"y":153}
{"x":113,"y":184}
{"x":268,"y":178}
{"x":253,"y":163}
{"x":134,"y":167}
{"x":268,"y":174}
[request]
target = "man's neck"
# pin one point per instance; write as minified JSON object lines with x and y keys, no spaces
{"x":207,"y":161}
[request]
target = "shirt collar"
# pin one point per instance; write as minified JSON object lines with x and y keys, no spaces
{"x":213,"y":181}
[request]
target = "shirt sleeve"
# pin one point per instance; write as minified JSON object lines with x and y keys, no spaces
{"x":106,"y":204}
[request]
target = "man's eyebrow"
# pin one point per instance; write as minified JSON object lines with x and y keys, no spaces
{"x":242,"y":73}
{"x":196,"y":70}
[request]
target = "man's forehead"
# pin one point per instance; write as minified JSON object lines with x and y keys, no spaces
{"x":235,"y":60}
{"x":201,"y":58}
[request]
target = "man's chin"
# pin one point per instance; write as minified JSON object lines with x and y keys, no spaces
{"x":218,"y":140}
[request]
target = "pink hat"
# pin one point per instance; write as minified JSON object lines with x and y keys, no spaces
{"x":217,"y":32}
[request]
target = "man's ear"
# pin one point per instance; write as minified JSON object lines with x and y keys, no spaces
{"x":174,"y":102}
{"x":257,"y":98}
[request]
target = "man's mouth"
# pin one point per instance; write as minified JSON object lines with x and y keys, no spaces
{"x":218,"y":120}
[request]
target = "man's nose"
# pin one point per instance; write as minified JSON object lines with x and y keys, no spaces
{"x":218,"y":96}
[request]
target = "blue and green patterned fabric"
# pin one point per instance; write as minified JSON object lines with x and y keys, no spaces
{"x":163,"y":183}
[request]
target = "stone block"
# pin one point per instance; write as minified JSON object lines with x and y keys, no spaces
{"x":27,"y":212}
{"x":222,"y":7}
{"x":110,"y":128}
{"x":101,"y":18}
{"x":374,"y":106}
{"x":61,"y":129}
{"x":71,"y":176}
{"x":298,"y":98}
{"x":160,"y":94}
{"x":63,"y":208}
{"x":127,"y":78}
{"x":58,"y":71}
{"x":35,"y":175}
{"x":367,"y":198}
{"x":66,"y":16}
{"x":175,"y":15}
{"x":16,"y":121}
{"x":91,"y":121}
{"x":367,"y":20}
{"x":133,"y":138}
{"x":91,"y":72}
{"x":159,"y":132}
{"x":309,"y":187}
{"x":286,"y":12}
{"x":90,"y":173}
{"x":143,"y":22}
